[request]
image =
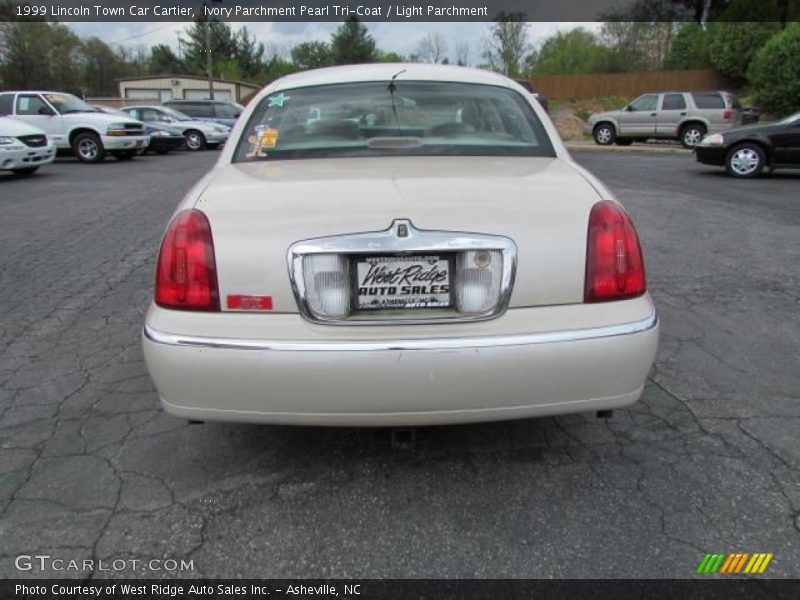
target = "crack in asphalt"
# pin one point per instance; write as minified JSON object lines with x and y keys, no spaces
{"x":88,"y":458}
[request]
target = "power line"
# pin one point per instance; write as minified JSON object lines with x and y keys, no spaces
{"x":138,"y":35}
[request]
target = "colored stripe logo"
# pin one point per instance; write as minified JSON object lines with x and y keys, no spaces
{"x":735,"y":563}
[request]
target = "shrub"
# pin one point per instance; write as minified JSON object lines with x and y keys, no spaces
{"x":775,"y":72}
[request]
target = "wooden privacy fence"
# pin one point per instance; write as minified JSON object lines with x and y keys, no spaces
{"x":598,"y":85}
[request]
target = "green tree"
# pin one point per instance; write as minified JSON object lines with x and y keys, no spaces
{"x":40,"y":55}
{"x":312,"y":55}
{"x":277,"y":67}
{"x":389,"y":57}
{"x":775,"y":72}
{"x":162,"y":61}
{"x":741,"y":29}
{"x":23,"y":46}
{"x":222,"y":42}
{"x":637,"y":45}
{"x":352,"y":44}
{"x":689,"y":48}
{"x":734,"y":44}
{"x":248,"y":54}
{"x":100,"y":68}
{"x":571,"y":52}
{"x":507,"y":48}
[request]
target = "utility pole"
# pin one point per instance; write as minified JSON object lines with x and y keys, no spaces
{"x":209,"y":59}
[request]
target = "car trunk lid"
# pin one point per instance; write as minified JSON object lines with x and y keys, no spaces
{"x":258,"y":210}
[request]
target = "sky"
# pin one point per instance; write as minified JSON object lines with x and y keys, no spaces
{"x":398,"y":37}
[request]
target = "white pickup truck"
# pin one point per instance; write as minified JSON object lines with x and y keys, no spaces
{"x":72,"y":124}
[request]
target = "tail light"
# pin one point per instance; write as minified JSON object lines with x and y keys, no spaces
{"x":614,"y":265}
{"x":727,"y":114}
{"x":327,"y":282}
{"x":186,"y":275}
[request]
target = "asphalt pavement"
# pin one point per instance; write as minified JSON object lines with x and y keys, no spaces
{"x":91,"y":468}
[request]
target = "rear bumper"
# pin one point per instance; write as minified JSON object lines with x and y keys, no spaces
{"x":393,"y":382}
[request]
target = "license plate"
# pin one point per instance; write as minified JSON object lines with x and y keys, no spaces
{"x":402,"y":282}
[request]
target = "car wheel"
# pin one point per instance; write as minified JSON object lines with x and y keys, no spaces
{"x":745,"y":160}
{"x":691,"y":135}
{"x":25,"y":171}
{"x":124,"y":155}
{"x":88,"y":148}
{"x":623,"y":141}
{"x":604,"y":134}
{"x":195,"y":140}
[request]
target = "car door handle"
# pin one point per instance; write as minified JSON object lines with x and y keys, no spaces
{"x":653,"y":114}
{"x":683,"y":114}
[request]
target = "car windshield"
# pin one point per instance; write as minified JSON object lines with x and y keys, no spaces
{"x":406,"y":118}
{"x":177,"y":115}
{"x":67,"y":103}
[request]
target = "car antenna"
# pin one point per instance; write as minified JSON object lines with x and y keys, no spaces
{"x":392,"y":89}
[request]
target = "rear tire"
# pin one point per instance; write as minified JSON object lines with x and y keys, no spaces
{"x":88,"y":148}
{"x":691,"y":135}
{"x":195,"y":140}
{"x":604,"y":134}
{"x":745,"y":160}
{"x":24,"y":171}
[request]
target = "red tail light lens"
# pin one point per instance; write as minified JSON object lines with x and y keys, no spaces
{"x":186,"y":275}
{"x":727,"y":114}
{"x":614,"y":265}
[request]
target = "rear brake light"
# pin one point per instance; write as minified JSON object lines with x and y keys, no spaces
{"x":186,"y":275}
{"x":614,"y":265}
{"x":727,"y":114}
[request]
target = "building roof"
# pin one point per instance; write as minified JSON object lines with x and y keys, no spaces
{"x":194,"y":77}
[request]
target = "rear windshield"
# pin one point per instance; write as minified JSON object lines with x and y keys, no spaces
{"x":408,"y":118}
{"x":708,"y":100}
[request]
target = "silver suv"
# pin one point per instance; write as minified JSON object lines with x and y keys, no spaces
{"x":683,"y":116}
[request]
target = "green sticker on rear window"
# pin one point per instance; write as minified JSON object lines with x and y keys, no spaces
{"x":278,"y":100}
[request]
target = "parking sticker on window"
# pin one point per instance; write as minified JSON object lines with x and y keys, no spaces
{"x":269,"y":138}
{"x":263,"y":138}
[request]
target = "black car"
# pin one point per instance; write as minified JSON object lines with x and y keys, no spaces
{"x":163,"y":138}
{"x":745,"y":151}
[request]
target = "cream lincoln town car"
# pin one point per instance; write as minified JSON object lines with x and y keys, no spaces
{"x":397,"y":244}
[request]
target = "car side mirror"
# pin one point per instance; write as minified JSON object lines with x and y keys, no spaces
{"x":629,"y":108}
{"x":45,"y":111}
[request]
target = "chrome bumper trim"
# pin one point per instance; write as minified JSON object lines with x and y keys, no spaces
{"x":489,"y":341}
